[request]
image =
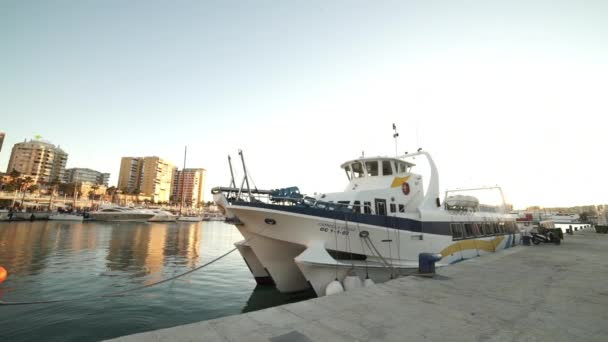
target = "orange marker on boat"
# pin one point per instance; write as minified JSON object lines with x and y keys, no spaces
{"x":3,"y":274}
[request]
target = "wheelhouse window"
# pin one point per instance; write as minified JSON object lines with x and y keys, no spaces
{"x":393,"y":207}
{"x":372,"y":168}
{"x":401,"y":208}
{"x":349,"y":173}
{"x":456,"y":229}
{"x":357,"y":170}
{"x":387,"y":170}
{"x":402,"y":168}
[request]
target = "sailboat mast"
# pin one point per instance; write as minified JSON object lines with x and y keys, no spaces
{"x":181,"y":176}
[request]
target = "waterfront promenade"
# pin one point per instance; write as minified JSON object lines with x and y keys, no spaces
{"x":535,"y":293}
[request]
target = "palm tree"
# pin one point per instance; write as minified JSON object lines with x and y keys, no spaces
{"x":54,"y":183}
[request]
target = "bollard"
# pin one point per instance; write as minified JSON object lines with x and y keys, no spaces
{"x":526,"y":240}
{"x":426,"y":262}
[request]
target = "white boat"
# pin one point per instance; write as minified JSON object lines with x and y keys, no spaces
{"x":563,"y":218}
{"x":4,"y":215}
{"x":66,"y":217}
{"x":162,"y":216}
{"x":189,"y":218}
{"x":116,"y":213}
{"x":375,"y":229}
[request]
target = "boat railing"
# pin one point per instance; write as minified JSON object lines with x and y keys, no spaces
{"x":290,"y":196}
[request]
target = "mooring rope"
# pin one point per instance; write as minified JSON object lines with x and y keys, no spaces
{"x":120,"y":293}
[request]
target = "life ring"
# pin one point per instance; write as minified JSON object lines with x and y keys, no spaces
{"x":405,"y":188}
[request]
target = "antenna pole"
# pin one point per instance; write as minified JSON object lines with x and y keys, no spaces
{"x":395,"y":135}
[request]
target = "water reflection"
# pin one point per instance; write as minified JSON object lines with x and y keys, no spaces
{"x":137,"y":248}
{"x":24,"y":246}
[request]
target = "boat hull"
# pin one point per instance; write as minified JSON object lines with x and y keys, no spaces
{"x":189,"y":219}
{"x":277,"y":258}
{"x":131,"y":217}
{"x":66,"y":217}
{"x":278,"y":238}
{"x":258,"y":271}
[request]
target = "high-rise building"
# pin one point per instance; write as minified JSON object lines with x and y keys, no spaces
{"x":157,"y":178}
{"x":129,"y":177}
{"x":149,"y":176}
{"x":188,"y":187}
{"x":38,"y":159}
{"x":79,"y":174}
{"x":2,"y":135}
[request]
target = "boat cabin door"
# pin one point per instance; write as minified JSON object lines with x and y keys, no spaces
{"x":380,"y":206}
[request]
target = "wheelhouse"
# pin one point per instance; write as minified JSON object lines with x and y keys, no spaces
{"x":376,"y":167}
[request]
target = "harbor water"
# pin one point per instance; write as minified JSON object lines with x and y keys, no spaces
{"x":49,"y":260}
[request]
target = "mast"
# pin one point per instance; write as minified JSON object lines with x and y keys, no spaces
{"x":395,"y":136}
{"x":232,"y":183}
{"x":181,"y":203}
{"x":245,"y":177}
{"x":75,"y":185}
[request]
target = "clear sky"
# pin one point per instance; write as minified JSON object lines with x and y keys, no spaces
{"x":513,"y":93}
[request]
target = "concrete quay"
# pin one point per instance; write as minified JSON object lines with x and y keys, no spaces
{"x":536,"y":293}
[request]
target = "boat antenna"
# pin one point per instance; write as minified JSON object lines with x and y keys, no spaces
{"x":395,"y":135}
{"x":232,"y":183}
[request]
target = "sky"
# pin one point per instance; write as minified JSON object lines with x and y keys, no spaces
{"x":509,"y":93}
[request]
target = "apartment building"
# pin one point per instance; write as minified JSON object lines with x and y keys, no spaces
{"x":188,"y":187}
{"x":149,"y":176}
{"x":38,"y":159}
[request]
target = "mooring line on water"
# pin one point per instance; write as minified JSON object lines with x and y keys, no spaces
{"x":119,"y":293}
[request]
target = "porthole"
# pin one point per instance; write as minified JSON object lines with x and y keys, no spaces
{"x":270,"y":221}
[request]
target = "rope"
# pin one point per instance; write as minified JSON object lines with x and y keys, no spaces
{"x":120,"y":293}
{"x":336,"y":237}
{"x":363,"y":250}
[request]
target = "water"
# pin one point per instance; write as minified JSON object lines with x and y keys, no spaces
{"x":57,"y":260}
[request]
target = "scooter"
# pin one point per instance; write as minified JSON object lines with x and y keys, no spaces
{"x":548,"y":236}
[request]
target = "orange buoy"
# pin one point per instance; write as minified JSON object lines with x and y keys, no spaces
{"x":3,"y":274}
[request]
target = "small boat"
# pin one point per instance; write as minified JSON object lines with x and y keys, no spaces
{"x":4,"y":215}
{"x":66,"y":217}
{"x":189,"y":218}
